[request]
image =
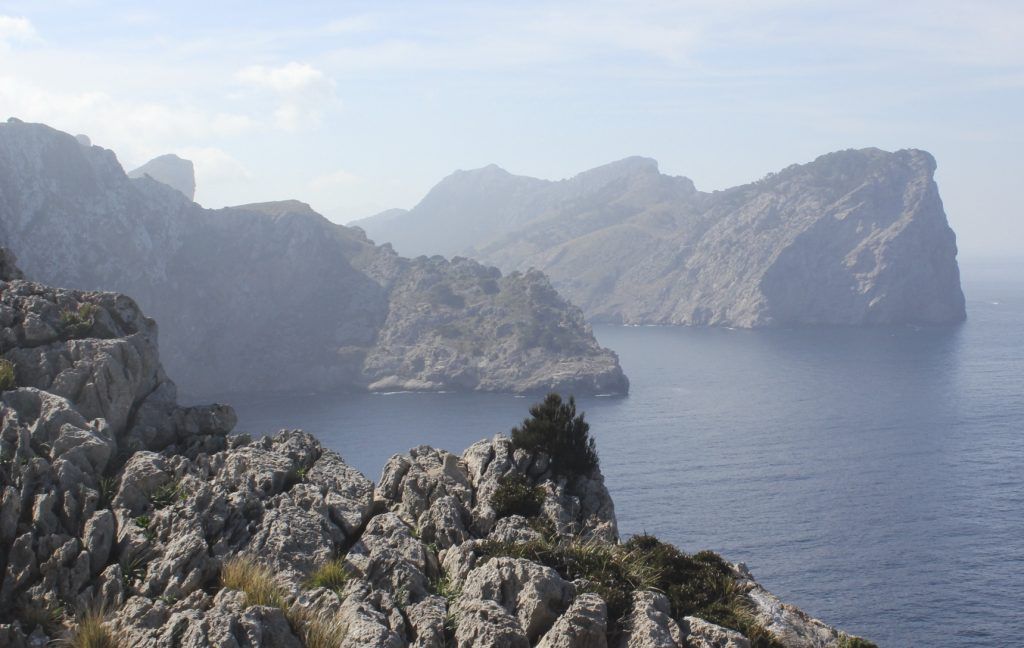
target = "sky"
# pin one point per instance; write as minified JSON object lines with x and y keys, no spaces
{"x":356,"y":107}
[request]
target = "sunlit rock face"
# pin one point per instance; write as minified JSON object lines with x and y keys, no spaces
{"x":172,"y":171}
{"x":274,"y":297}
{"x":854,"y":237}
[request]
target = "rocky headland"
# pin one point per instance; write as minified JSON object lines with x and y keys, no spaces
{"x":127,"y":519}
{"x":856,"y":237}
{"x":273,"y":296}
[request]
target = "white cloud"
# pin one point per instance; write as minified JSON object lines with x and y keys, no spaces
{"x":219,"y":176}
{"x":301,"y":92}
{"x":215,"y":165}
{"x":136,"y":130}
{"x":351,"y":25}
{"x":283,"y":78}
{"x":12,"y":28}
{"x":340,"y":178}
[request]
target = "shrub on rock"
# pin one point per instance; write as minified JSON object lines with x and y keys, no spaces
{"x":516,"y":496}
{"x":555,"y":429}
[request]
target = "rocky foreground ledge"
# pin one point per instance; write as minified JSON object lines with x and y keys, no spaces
{"x":127,"y":520}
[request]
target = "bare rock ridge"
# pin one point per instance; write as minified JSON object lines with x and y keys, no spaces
{"x":172,"y":171}
{"x":274,"y":297}
{"x":136,"y":519}
{"x":854,"y":237}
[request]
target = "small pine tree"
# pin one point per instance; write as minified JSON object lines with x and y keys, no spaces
{"x":554,"y":428}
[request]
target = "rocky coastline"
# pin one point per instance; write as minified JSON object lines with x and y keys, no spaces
{"x":150,"y":524}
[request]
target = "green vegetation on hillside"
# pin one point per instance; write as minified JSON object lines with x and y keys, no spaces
{"x":700,"y":585}
{"x":515,"y":496}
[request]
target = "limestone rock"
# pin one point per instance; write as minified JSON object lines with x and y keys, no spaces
{"x":701,"y":634}
{"x":485,"y":624}
{"x":536,"y":595}
{"x":583,"y":625}
{"x":650,"y":623}
{"x":794,"y":627}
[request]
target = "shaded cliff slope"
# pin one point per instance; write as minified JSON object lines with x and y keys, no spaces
{"x":276,"y":297}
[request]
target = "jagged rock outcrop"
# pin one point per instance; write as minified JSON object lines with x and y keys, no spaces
{"x":175,"y":532}
{"x":171,"y":170}
{"x":274,"y":297}
{"x":854,"y":237}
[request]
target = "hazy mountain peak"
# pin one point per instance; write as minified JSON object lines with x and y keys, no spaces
{"x":171,"y":170}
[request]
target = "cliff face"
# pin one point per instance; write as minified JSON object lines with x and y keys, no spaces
{"x":854,"y":237}
{"x":114,"y":497}
{"x":274,"y":296}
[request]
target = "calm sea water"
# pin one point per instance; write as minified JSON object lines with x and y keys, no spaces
{"x":872,"y":477}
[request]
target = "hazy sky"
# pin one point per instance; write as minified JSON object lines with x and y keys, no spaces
{"x":356,"y":107}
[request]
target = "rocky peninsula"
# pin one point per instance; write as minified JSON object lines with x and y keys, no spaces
{"x":127,"y":519}
{"x":274,"y":297}
{"x":855,"y":237}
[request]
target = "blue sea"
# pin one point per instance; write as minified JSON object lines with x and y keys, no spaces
{"x":873,"y":477}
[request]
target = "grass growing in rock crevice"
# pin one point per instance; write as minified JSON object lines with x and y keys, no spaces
{"x":261,"y":587}
{"x":7,"y":378}
{"x":167,"y":494}
{"x":34,"y":613}
{"x":332,"y":574}
{"x":316,"y":629}
{"x":89,"y":631}
{"x":257,"y":582}
{"x":699,"y":585}
{"x":78,"y":322}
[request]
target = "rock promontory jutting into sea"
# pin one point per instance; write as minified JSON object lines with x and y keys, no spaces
{"x":854,"y":237}
{"x":274,"y":297}
{"x":136,"y":521}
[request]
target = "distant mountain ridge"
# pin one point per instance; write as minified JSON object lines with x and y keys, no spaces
{"x":275,"y":297}
{"x":854,"y":237}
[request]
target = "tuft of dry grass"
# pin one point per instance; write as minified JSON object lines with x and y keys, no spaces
{"x":317,"y":629}
{"x":332,"y":574}
{"x":257,"y":581}
{"x":90,"y":631}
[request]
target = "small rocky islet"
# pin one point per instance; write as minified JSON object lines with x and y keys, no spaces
{"x":127,"y":519}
